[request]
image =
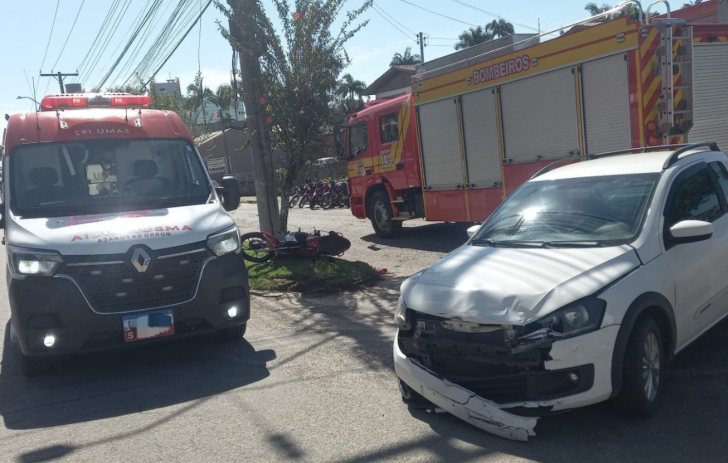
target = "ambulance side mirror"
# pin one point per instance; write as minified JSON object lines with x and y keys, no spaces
{"x":230,"y":192}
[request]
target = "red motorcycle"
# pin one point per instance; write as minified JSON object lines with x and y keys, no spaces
{"x":318,"y":193}
{"x":263,"y":246}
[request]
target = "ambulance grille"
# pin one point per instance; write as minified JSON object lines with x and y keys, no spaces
{"x":115,"y":287}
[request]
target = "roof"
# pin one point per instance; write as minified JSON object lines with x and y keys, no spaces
{"x":210,"y":136}
{"x":93,"y":123}
{"x":639,"y":163}
{"x":395,"y":77}
{"x":385,"y":105}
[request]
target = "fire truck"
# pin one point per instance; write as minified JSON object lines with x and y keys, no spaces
{"x":475,"y":127}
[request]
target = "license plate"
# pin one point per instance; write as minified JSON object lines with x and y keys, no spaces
{"x":148,"y":325}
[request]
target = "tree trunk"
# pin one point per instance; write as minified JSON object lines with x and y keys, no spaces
{"x":244,"y":30}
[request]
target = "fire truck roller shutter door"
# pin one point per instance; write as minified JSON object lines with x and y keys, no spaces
{"x":710,"y":94}
{"x":481,"y":139}
{"x":540,"y":117}
{"x":443,"y":165}
{"x":606,"y":104}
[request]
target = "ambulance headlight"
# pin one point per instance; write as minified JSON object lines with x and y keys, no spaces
{"x":25,"y":262}
{"x":226,"y":242}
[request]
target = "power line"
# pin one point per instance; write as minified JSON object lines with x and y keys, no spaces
{"x":155,"y":6}
{"x":199,"y":17}
{"x":50,"y":36}
{"x":69,"y":35}
{"x":104,"y":42}
{"x":438,"y":14}
{"x":494,"y":15}
{"x":393,"y":24}
{"x":393,"y":19}
{"x":98,"y":34}
{"x":199,"y":42}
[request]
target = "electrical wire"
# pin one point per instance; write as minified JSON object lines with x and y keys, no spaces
{"x":438,"y":14}
{"x":98,"y":34}
{"x":393,"y":19}
{"x":199,"y":17}
{"x":69,"y":35}
{"x":494,"y":15}
{"x":105,"y":41}
{"x":375,"y":8}
{"x":50,"y":36}
{"x":199,"y":42}
{"x":147,"y":17}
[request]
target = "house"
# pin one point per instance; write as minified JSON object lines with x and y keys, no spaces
{"x":228,"y":152}
{"x":397,"y":80}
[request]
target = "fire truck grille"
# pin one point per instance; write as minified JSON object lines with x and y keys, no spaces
{"x":113,"y":287}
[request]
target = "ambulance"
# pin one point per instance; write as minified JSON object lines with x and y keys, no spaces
{"x":114,"y":233}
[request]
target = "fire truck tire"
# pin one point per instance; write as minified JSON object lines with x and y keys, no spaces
{"x":381,"y":216}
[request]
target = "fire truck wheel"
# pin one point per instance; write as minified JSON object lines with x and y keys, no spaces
{"x":381,"y":216}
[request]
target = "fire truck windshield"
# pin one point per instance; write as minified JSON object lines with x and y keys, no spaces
{"x":109,"y":175}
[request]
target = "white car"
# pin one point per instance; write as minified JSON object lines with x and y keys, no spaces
{"x":578,"y":289}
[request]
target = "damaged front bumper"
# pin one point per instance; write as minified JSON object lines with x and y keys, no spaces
{"x":593,"y":350}
{"x":461,"y":402}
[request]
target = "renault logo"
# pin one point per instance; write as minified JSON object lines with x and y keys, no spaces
{"x":140,"y":259}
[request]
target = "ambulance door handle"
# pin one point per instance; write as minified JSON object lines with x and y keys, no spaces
{"x":368,"y":172}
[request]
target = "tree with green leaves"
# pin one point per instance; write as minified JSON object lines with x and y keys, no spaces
{"x":406,"y":58}
{"x":472,"y":37}
{"x":692,"y":3}
{"x":222,"y":98}
{"x":198,"y":93}
{"x":350,"y":88}
{"x":499,"y":28}
{"x":287,"y":82}
{"x":595,"y":9}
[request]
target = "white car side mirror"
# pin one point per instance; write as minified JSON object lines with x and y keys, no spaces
{"x":473,"y":230}
{"x":690,"y":231}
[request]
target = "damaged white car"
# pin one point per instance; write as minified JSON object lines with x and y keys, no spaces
{"x":578,"y":289}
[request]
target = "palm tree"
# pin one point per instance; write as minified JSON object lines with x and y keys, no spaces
{"x":472,"y":37}
{"x":499,"y":28}
{"x":594,"y":9}
{"x":349,"y":87}
{"x":404,"y":59}
{"x":222,"y":98}
{"x":198,"y":94}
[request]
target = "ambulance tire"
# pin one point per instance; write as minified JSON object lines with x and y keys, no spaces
{"x":381,"y":216}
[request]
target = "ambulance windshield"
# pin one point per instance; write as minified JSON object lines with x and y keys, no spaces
{"x":109,"y":175}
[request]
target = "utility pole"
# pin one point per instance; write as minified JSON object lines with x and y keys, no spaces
{"x":59,"y":76}
{"x":421,"y":42}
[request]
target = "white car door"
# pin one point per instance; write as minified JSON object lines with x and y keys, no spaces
{"x":696,"y":266}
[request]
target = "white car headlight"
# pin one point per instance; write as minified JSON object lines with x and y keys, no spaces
{"x":577,"y":318}
{"x":400,"y":315}
{"x":26,"y":262}
{"x":225,"y":242}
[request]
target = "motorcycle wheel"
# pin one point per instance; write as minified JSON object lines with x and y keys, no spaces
{"x":312,"y":203}
{"x":293,"y":202}
{"x":303,"y":201}
{"x":256,"y":248}
{"x":327,"y":200}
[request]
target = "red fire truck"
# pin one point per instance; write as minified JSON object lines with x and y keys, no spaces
{"x":475,"y":127}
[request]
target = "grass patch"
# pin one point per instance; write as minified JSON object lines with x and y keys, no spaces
{"x":302,"y":275}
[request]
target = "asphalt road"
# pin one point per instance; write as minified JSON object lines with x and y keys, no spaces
{"x":314,"y":381}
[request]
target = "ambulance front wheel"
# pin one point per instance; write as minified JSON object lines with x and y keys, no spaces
{"x":381,"y":216}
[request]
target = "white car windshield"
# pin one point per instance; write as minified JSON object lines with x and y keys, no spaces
{"x":594,"y":211}
{"x":105,"y":175}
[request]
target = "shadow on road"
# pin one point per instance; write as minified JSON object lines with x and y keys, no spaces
{"x":98,"y":386}
{"x":690,"y":425}
{"x":436,"y":237}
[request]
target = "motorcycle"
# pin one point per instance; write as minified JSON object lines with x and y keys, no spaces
{"x":318,"y":193}
{"x":263,"y":246}
{"x":307,"y":193}
{"x":337,"y":196}
{"x":296,"y":197}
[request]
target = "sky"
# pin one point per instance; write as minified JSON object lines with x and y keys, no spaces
{"x":31,"y":42}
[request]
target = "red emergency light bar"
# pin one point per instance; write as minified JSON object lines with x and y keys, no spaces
{"x":103,"y":100}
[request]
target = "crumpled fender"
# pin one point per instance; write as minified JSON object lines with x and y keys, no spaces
{"x":461,"y":402}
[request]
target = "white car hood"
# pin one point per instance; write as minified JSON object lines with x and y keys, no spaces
{"x":116,"y":233}
{"x":496,"y":285}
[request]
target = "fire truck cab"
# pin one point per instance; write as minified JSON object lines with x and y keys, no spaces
{"x":114,"y":233}
{"x":480,"y":122}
